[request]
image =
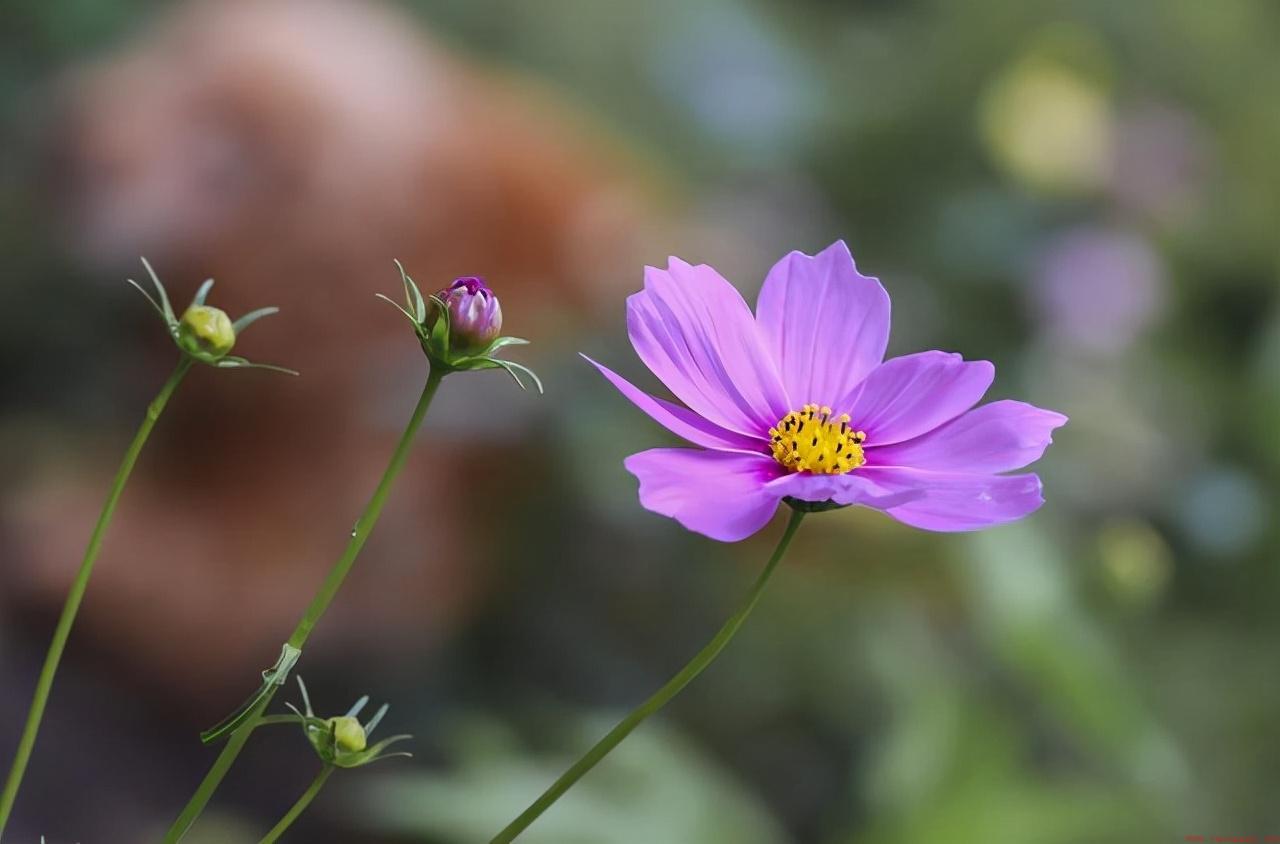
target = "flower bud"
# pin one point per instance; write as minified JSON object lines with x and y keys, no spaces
{"x":475,"y":317}
{"x":206,"y":332}
{"x":348,"y":735}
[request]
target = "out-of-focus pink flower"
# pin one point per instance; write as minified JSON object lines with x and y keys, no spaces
{"x":797,"y":403}
{"x":1098,"y":289}
{"x":1162,"y":160}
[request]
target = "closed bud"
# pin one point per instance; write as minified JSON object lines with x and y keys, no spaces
{"x":475,"y":317}
{"x":205,"y":332}
{"x":460,"y":327}
{"x":348,"y":735}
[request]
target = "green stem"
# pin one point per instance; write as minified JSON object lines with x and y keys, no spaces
{"x":298,"y":808}
{"x":660,"y":698}
{"x":368,"y":519}
{"x":78,"y":586}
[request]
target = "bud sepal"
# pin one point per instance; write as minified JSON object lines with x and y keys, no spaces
{"x":803,"y":506}
{"x":205,"y":333}
{"x":458,"y":327}
{"x":342,"y":741}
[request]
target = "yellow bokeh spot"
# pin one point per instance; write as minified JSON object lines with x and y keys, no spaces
{"x":810,"y":440}
{"x":1047,"y":118}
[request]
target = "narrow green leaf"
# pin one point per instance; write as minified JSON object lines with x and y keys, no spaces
{"x":504,"y":341}
{"x":399,"y":753}
{"x":419,"y":305}
{"x":357,"y":706}
{"x":250,"y":318}
{"x":373,"y":753}
{"x":203,"y":292}
{"x":412,"y":295}
{"x":440,"y":331}
{"x":306,"y":698}
{"x":512,"y":367}
{"x":397,"y":306}
{"x":164,"y":297}
{"x":153,"y":302}
{"x":237,"y":718}
{"x":376,"y":719}
{"x":233,"y":362}
{"x":273,"y":676}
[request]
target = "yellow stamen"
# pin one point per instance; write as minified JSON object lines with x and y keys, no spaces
{"x":809,"y":440}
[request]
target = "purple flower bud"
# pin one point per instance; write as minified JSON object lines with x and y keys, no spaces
{"x":475,"y":317}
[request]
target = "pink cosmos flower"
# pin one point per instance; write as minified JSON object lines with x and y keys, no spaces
{"x":797,"y":404}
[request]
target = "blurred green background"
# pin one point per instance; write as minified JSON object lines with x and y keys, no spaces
{"x":1087,"y":194}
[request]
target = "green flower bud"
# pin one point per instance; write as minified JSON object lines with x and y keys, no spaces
{"x":205,"y":332}
{"x":348,"y":735}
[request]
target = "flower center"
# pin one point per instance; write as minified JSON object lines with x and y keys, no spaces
{"x":809,"y":440}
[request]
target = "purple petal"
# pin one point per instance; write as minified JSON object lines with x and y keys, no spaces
{"x":911,"y":395}
{"x":848,"y":488}
{"x":825,"y":323}
{"x":678,"y":420}
{"x":957,"y":502}
{"x":996,"y":437}
{"x":719,"y":494}
{"x":696,"y":334}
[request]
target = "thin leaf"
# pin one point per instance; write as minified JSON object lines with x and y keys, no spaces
{"x":440,"y":331}
{"x":512,"y":367}
{"x":373,"y":753}
{"x":357,"y":706}
{"x":443,"y":308}
{"x":397,"y":306}
{"x":419,"y":304}
{"x":153,"y":302}
{"x":412,"y":295}
{"x":250,"y":318}
{"x":273,"y":676}
{"x":164,"y":297}
{"x":317,"y":724}
{"x":269,"y":720}
{"x":387,"y":742}
{"x":306,"y":699}
{"x":508,"y":341}
{"x":237,"y":718}
{"x":376,"y":719}
{"x":233,"y":362}
{"x":404,"y":281}
{"x":203,"y":292}
{"x":399,"y":753}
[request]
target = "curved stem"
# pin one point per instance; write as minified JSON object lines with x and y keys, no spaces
{"x":328,"y":589}
{"x":659,"y":699}
{"x":298,"y":808}
{"x":76,"y":594}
